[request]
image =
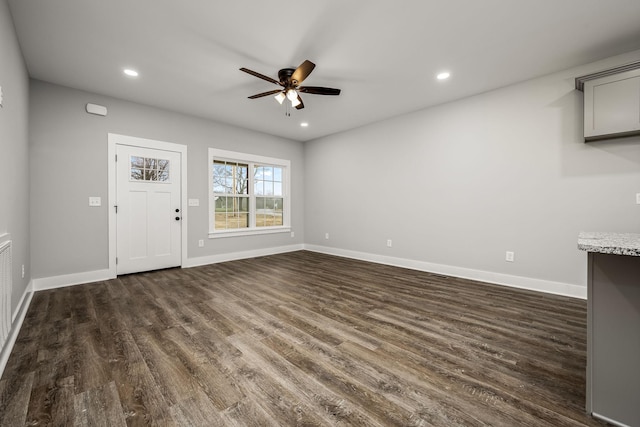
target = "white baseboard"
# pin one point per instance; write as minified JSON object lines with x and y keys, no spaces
{"x":54,"y":282}
{"x":547,"y":286}
{"x":17,"y":319}
{"x":214,"y":259}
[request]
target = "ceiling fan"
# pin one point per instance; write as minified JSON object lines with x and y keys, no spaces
{"x":290,"y":80}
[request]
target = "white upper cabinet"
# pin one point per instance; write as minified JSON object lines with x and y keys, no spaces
{"x":612,"y":106}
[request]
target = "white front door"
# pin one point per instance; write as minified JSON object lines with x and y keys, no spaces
{"x":149,"y":213}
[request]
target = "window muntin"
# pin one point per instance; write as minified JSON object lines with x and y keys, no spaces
{"x":248,"y":194}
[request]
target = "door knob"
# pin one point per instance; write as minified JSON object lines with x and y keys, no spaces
{"x":177,"y":218}
{"x":177,"y":210}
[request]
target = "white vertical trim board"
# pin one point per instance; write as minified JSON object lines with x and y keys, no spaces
{"x":115,"y":139}
{"x":17,"y":320}
{"x":6,"y":274}
{"x":520,"y":282}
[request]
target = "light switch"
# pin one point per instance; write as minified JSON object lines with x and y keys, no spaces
{"x":194,"y":202}
{"x":95,"y":201}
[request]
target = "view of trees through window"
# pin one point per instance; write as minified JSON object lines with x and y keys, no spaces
{"x":243,"y":203}
{"x":268,"y":191}
{"x":231,"y":190}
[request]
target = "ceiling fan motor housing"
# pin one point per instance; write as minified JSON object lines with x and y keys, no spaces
{"x":285,"y":75}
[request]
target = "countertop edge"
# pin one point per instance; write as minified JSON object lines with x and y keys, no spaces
{"x":610,"y":243}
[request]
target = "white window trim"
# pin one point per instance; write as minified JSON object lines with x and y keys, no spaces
{"x":234,"y":156}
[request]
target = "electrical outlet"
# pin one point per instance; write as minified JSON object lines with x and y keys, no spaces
{"x":326,"y":236}
{"x":0,"y":96}
{"x":510,"y":256}
{"x":637,"y":198}
{"x":194,"y":202}
{"x":23,"y":271}
{"x":389,"y":243}
{"x":201,"y":243}
{"x":293,"y":234}
{"x":95,"y":201}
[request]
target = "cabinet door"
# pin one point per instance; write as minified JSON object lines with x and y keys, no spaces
{"x":612,"y":106}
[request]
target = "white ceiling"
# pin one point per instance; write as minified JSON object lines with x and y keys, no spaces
{"x":383,"y":54}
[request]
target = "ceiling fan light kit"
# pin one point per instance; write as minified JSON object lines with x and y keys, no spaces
{"x":280,"y":97}
{"x":292,"y":95}
{"x":290,"y":80}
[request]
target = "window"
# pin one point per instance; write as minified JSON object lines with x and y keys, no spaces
{"x":231,"y":194}
{"x":148,"y":169}
{"x":248,"y":194}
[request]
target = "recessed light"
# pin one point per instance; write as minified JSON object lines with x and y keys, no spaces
{"x":304,"y":124}
{"x":443,"y":76}
{"x":131,"y":73}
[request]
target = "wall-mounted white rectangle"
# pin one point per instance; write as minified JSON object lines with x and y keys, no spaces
{"x":95,"y":201}
{"x":612,"y":106}
{"x":194,"y":202}
{"x":96,"y":109}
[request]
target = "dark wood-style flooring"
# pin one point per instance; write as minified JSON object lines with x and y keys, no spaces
{"x":297,"y":339}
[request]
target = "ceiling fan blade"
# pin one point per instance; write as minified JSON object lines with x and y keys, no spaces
{"x":260,"y":95}
{"x":260,"y":76}
{"x":301,"y":105}
{"x":302,"y":72}
{"x":317,"y":90}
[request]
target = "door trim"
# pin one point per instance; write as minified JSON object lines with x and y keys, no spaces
{"x":116,"y":139}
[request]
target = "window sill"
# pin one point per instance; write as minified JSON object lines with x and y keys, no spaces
{"x":250,"y":232}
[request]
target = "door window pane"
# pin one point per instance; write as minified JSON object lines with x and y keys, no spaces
{"x":148,"y":169}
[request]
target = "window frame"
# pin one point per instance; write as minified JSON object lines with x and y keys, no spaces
{"x":252,"y":160}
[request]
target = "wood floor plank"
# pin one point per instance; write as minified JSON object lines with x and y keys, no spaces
{"x":139,"y":394}
{"x":248,"y":413}
{"x":15,"y":393}
{"x":196,"y":411}
{"x":89,"y":357}
{"x":378,"y":380}
{"x":280,"y":403}
{"x":172,"y":378}
{"x":52,"y":405}
{"x":300,"y":339}
{"x":328,"y":405}
{"x":218,"y":387}
{"x":99,"y":407}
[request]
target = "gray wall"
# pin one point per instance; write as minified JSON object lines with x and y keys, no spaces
{"x":461,"y":183}
{"x":69,"y":164}
{"x":14,"y":148}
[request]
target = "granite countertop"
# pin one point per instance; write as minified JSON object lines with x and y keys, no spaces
{"x":610,"y":243}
